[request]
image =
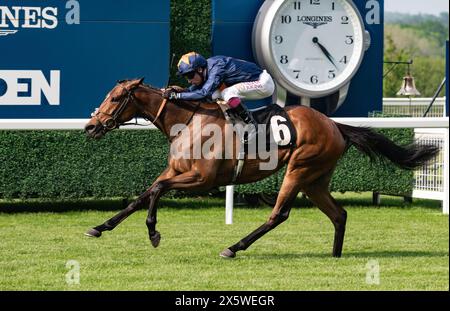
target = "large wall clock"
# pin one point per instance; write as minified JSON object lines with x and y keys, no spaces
{"x":312,"y":48}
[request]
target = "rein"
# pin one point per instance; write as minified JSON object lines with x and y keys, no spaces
{"x":193,"y":113}
{"x":161,"y":108}
{"x":112,"y":122}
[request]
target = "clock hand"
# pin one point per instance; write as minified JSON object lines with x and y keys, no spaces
{"x":325,"y":51}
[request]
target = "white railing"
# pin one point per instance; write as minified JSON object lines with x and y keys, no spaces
{"x":430,"y":181}
{"x":59,"y":124}
{"x":415,"y":107}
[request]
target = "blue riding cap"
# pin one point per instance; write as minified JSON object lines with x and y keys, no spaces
{"x":190,"y":62}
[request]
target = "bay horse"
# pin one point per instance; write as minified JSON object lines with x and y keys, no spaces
{"x":320,"y":143}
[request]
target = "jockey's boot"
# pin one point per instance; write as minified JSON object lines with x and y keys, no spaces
{"x":252,"y":126}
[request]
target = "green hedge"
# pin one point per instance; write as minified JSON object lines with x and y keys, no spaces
{"x":66,"y":164}
{"x":190,"y":30}
{"x":356,"y":172}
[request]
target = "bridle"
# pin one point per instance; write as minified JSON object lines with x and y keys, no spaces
{"x":112,"y":122}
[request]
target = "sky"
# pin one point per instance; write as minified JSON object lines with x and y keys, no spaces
{"x":416,"y":6}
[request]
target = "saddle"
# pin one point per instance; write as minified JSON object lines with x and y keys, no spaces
{"x":275,"y":129}
{"x":277,"y":126}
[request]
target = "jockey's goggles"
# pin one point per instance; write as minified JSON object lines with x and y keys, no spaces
{"x":190,"y":75}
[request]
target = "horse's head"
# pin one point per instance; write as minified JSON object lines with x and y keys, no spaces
{"x":118,"y":107}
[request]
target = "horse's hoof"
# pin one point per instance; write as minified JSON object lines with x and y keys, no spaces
{"x":227,"y":253}
{"x":155,"y":239}
{"x":93,"y":233}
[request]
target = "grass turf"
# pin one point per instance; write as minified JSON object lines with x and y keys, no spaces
{"x":410,"y":245}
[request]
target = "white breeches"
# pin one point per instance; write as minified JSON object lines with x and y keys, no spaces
{"x":262,"y":88}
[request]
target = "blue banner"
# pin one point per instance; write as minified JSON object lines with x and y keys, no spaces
{"x":59,"y":58}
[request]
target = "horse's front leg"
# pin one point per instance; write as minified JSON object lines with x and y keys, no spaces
{"x":141,"y":201}
{"x":186,"y":180}
{"x":114,"y":221}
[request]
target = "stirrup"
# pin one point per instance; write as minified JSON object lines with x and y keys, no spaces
{"x":251,"y":125}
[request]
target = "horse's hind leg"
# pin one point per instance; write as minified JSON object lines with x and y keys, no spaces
{"x":280,"y":213}
{"x":319,"y":194}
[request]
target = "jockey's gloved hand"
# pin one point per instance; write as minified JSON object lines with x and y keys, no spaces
{"x":177,"y":88}
{"x":171,"y":95}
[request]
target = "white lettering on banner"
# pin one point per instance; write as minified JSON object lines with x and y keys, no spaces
{"x":24,"y":87}
{"x":50,"y":16}
{"x":30,"y":17}
{"x":35,"y":17}
{"x":7,"y":15}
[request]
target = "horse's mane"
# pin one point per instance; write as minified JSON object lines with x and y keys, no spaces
{"x":147,"y":86}
{"x":152,"y":88}
{"x":198,"y":106}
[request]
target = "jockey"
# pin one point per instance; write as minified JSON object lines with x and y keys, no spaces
{"x":224,"y":77}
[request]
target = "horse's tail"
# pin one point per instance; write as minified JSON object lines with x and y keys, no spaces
{"x":376,"y":146}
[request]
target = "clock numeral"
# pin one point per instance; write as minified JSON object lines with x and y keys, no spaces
{"x":314,"y":2}
{"x":286,"y":19}
{"x":314,"y":79}
{"x":297,"y":5}
{"x":332,"y":74}
{"x":333,"y":6}
{"x":343,"y":60}
{"x":284,"y":59}
{"x":344,"y":20}
{"x":297,"y":73}
{"x":349,"y":40}
{"x":278,"y":39}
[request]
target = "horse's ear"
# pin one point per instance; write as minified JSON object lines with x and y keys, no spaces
{"x":135,"y":83}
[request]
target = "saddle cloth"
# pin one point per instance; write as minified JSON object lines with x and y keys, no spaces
{"x":273,"y":122}
{"x":278,"y":126}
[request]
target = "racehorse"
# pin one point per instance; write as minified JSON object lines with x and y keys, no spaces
{"x":320,"y":143}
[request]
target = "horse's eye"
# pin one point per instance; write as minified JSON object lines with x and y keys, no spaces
{"x":114,"y":100}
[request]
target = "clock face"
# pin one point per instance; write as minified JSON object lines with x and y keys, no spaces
{"x":316,"y":46}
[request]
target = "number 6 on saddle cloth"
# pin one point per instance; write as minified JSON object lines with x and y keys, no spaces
{"x":276,"y":125}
